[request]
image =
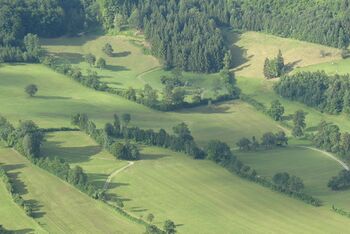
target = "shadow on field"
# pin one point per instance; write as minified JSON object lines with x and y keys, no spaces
{"x":290,"y":66}
{"x":152,"y":156}
{"x":52,"y":97}
{"x":70,"y":154}
{"x":73,"y":58}
{"x":36,"y":208}
{"x":71,"y":41}
{"x":19,"y":186}
{"x":213,"y":109}
{"x":138,"y":209}
{"x":121,"y":54}
{"x":23,"y":231}
{"x":116,"y":68}
{"x":239,"y":58}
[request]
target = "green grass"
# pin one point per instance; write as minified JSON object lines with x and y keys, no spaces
{"x":204,"y":198}
{"x":122,"y":70}
{"x":313,"y":167}
{"x":77,"y":148}
{"x":250,"y":49}
{"x":59,"y":207}
{"x":13,"y":218}
{"x":341,"y":67}
{"x":59,"y":97}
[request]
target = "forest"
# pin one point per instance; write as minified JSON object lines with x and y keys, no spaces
{"x":184,"y":34}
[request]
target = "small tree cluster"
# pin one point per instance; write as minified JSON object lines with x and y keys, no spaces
{"x":299,"y":123}
{"x":274,"y":67}
{"x":276,"y":110}
{"x":268,"y":141}
{"x":341,"y":181}
{"x":288,"y":182}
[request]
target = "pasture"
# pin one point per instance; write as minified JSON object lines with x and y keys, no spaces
{"x":59,"y":97}
{"x":313,"y":167}
{"x":202,"y":197}
{"x":341,"y":67}
{"x":59,"y":207}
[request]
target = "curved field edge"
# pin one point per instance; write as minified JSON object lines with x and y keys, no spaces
{"x":191,"y":192}
{"x":62,"y":208}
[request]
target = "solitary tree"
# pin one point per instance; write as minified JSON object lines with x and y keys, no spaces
{"x":169,"y":227}
{"x":101,"y":63}
{"x":150,"y":218}
{"x":299,"y":123}
{"x":90,"y":59}
{"x":108,"y":49}
{"x":276,"y":111}
{"x":31,"y":90}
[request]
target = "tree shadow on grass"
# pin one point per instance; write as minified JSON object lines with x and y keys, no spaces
{"x":36,"y":208}
{"x":19,"y":186}
{"x":153,"y":156}
{"x":290,"y":66}
{"x":73,"y":58}
{"x":70,"y":154}
{"x":137,"y":209}
{"x":212,"y":109}
{"x":52,"y":97}
{"x":121,"y":54}
{"x":239,"y":53}
{"x":23,"y":231}
{"x":116,"y":68}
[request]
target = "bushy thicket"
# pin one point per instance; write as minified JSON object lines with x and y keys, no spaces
{"x":341,"y":181}
{"x":17,"y":198}
{"x":317,"y":89}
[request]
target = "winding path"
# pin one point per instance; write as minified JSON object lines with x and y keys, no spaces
{"x":343,"y":164}
{"x":140,"y":76}
{"x":109,"y":179}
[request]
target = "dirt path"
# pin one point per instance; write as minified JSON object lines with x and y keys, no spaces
{"x":109,"y":179}
{"x":140,"y":76}
{"x":343,"y":164}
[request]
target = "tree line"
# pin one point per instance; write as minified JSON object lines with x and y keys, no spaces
{"x":327,"y":93}
{"x":16,"y":197}
{"x":183,"y":141}
{"x":27,"y":139}
{"x":268,"y":141}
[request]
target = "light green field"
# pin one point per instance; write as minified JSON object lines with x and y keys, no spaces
{"x":59,"y":97}
{"x":199,"y":196}
{"x":12,"y":217}
{"x":59,"y":207}
{"x":313,"y":167}
{"x":77,"y":148}
{"x":204,"y":198}
{"x":341,"y":67}
{"x":123,"y":69}
{"x":252,"y":48}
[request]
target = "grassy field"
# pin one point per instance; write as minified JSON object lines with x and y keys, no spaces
{"x":12,"y":217}
{"x":204,"y":198}
{"x":335,"y":67}
{"x":252,"y":48}
{"x":122,"y":70}
{"x":199,"y":196}
{"x":77,"y":148}
{"x":59,"y":97}
{"x":59,"y":207}
{"x":313,"y":167}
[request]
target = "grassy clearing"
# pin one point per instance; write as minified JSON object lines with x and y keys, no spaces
{"x":12,"y":217}
{"x":204,"y":198}
{"x":59,"y":207}
{"x":59,"y":97}
{"x":313,"y":167}
{"x":335,"y":67}
{"x":251,"y":49}
{"x":121,"y":72}
{"x":77,"y":148}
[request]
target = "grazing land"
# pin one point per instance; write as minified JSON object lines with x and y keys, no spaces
{"x":313,"y":167}
{"x":59,"y":207}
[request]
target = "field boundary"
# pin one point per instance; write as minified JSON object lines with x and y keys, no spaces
{"x":109,"y":179}
{"x":343,"y":164}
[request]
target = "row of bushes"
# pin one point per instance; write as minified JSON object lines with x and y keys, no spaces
{"x":17,"y":198}
{"x":183,"y":141}
{"x":237,"y":167}
{"x":341,"y":211}
{"x":268,"y":141}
